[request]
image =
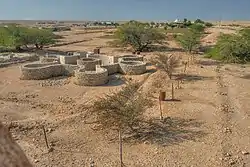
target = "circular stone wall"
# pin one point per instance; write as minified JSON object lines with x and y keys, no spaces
{"x":91,"y":78}
{"x":41,"y":71}
{"x":89,"y":63}
{"x":131,"y":58}
{"x":132,"y":67}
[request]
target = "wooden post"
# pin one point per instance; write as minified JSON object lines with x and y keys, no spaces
{"x":185,"y":68}
{"x":45,"y":137}
{"x":161,"y":117}
{"x":178,"y":84}
{"x":120,"y":147}
{"x":172,"y":91}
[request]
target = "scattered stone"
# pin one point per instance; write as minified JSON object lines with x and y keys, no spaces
{"x":227,"y":130}
{"x":52,"y":144}
{"x":232,"y":162}
{"x":36,"y":160}
{"x":50,"y":149}
{"x":49,"y":130}
{"x":223,"y":93}
{"x":244,"y":152}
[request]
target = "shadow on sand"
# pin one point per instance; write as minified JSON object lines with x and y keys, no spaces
{"x":167,"y":132}
{"x":190,"y":77}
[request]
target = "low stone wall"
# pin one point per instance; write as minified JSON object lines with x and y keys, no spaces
{"x":49,"y":60}
{"x":21,"y":59}
{"x":34,"y":71}
{"x":91,"y":78}
{"x":69,"y":69}
{"x":69,"y":59}
{"x":41,"y":71}
{"x":89,"y":63}
{"x":112,"y":68}
{"x":130,"y":58}
{"x":132,"y":67}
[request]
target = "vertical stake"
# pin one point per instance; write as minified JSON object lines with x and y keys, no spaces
{"x":45,"y":137}
{"x":120,"y":147}
{"x":172,"y":91}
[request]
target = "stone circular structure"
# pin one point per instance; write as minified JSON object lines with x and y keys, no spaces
{"x":132,"y":67}
{"x":91,"y":78}
{"x":41,"y":71}
{"x":49,"y":59}
{"x":131,"y":58}
{"x":89,"y":63}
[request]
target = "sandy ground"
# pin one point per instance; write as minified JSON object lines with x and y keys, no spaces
{"x":209,"y":125}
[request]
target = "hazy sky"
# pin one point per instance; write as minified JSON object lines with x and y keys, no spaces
{"x":124,"y":9}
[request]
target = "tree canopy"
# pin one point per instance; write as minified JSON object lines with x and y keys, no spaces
{"x":190,"y":40}
{"x":123,"y":110}
{"x":16,"y":36}
{"x":138,"y":35}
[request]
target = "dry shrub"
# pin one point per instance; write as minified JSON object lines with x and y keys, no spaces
{"x":166,"y":63}
{"x":122,"y":110}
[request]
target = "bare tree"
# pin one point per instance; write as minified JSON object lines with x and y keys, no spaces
{"x":166,"y":63}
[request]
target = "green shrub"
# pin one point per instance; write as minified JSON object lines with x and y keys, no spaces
{"x":207,"y":24}
{"x":233,"y":48}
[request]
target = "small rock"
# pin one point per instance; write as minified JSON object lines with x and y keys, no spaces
{"x":146,"y":142}
{"x":244,"y":152}
{"x":52,"y":144}
{"x":228,"y":155}
{"x":36,"y":160}
{"x":232,"y":162}
{"x":50,"y":149}
{"x":50,"y":130}
{"x":202,"y":67}
{"x":227,"y":130}
{"x":223,"y":93}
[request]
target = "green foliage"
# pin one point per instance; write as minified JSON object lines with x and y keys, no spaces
{"x":16,"y":36}
{"x":190,"y":40}
{"x":207,"y":24}
{"x":197,"y":21}
{"x":123,"y":109}
{"x":234,"y":48}
{"x":138,"y":35}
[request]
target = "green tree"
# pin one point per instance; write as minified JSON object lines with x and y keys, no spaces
{"x":190,"y":40}
{"x":15,"y":36}
{"x":234,"y":48}
{"x":138,"y":35}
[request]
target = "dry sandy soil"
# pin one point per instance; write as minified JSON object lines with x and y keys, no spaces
{"x":209,"y":125}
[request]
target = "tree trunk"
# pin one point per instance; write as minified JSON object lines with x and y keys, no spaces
{"x":18,"y":48}
{"x":120,"y":147}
